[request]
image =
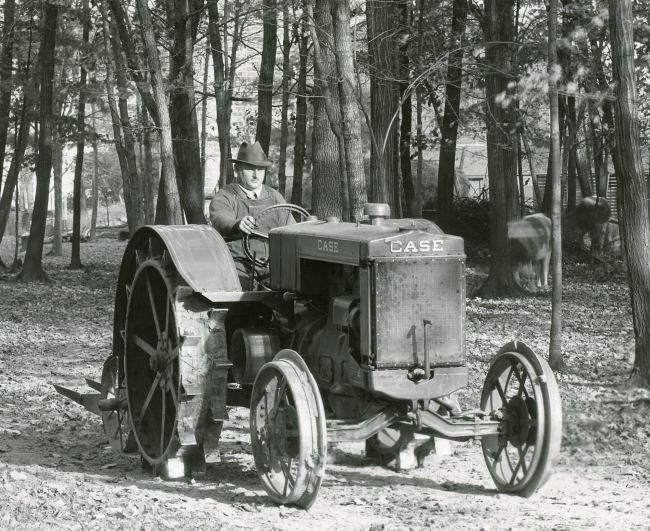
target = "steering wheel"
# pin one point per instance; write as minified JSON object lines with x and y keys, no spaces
{"x":259,"y":262}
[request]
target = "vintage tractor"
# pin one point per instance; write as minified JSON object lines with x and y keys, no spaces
{"x":357,"y":334}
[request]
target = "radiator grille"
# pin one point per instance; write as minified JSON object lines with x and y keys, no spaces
{"x":406,"y":293}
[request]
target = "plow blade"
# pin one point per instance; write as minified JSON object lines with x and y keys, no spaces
{"x":88,"y":401}
{"x":94,"y":385}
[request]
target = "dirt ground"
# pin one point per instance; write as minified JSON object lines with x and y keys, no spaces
{"x":57,"y":471}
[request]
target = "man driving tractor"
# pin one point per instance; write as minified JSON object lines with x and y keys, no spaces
{"x":235,"y":208}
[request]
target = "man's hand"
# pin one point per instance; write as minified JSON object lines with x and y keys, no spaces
{"x":246,"y":224}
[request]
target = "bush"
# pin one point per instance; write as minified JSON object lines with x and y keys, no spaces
{"x":471,"y":219}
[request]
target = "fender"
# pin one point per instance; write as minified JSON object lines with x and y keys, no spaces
{"x":199,"y":254}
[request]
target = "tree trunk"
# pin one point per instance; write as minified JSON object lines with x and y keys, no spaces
{"x":449,"y":130}
{"x":412,"y":202}
{"x":95,"y":186}
{"x":6,"y":59}
{"x":555,"y":348}
{"x":172,"y":213}
{"x":148,"y":172}
{"x":33,"y":266}
{"x":182,"y":114}
{"x":75,"y":258}
{"x":582,"y":170}
{"x":221,"y":93}
{"x":20,"y":144}
{"x":350,"y":120}
{"x":632,"y":189}
{"x":301,"y":120}
{"x":57,"y":174}
{"x":284,"y":111}
{"x":267,"y":69}
{"x":128,"y":46}
{"x":204,"y":108}
{"x":326,"y":167}
{"x":384,"y":103}
{"x":128,"y":186}
{"x":572,"y":149}
{"x":418,"y":107}
{"x":502,"y":158}
{"x":531,"y":165}
{"x":21,"y":138}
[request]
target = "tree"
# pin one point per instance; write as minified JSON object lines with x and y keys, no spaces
{"x":412,"y":204}
{"x":126,"y":162}
{"x":21,"y":138}
{"x":6,"y":59}
{"x":501,"y":144}
{"x":301,"y":119}
{"x":383,"y":51}
{"x":350,"y":123}
{"x":555,"y":347}
{"x":168,"y":210}
{"x":449,"y":129}
{"x":267,"y":69}
{"x":33,"y":268}
{"x":183,"y":17}
{"x":632,"y":188}
{"x":329,"y":188}
{"x":287,"y":72}
{"x":133,"y":61}
{"x":75,"y":258}
{"x":224,"y":73}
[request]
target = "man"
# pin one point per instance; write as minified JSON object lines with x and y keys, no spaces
{"x":235,"y":207}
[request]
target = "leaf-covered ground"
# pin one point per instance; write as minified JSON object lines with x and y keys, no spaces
{"x":57,"y":472}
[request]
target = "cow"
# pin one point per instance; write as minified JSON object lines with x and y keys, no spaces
{"x":530,"y":248}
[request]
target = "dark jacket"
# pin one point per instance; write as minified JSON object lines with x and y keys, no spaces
{"x":231,"y":204}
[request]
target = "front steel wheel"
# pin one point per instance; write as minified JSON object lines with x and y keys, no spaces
{"x":521,"y":391}
{"x":288,"y":432}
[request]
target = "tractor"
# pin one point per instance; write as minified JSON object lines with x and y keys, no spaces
{"x":356,"y":334}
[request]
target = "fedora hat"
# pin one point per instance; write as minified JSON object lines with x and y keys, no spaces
{"x":251,"y":155}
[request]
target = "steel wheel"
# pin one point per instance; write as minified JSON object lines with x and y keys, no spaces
{"x":288,"y":432}
{"x":117,"y":424}
{"x":521,"y":390}
{"x":151,"y":362}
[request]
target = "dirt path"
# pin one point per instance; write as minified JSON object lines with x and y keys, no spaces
{"x":57,"y":472}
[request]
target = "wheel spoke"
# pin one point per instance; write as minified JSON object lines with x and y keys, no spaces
{"x":146,"y":347}
{"x":162,"y":422}
{"x":167,"y":312}
{"x":154,"y":311}
{"x":147,"y":400}
{"x":515,"y":472}
{"x":280,"y":391}
{"x":508,"y":378}
{"x":522,"y":458}
{"x":520,"y":379}
{"x":173,"y":354}
{"x":497,"y":455}
{"x":502,"y":395}
{"x":288,"y":479}
{"x":172,"y":391}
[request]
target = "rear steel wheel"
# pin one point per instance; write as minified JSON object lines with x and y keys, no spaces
{"x":288,"y":431}
{"x":151,"y":362}
{"x":520,"y":389}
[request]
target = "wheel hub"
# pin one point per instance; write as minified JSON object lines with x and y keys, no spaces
{"x":158,"y":362}
{"x":519,"y":425}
